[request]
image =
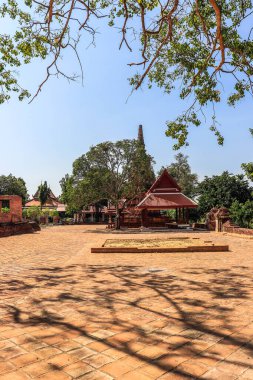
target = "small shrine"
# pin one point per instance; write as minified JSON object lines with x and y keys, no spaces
{"x":150,"y":209}
{"x":52,"y":202}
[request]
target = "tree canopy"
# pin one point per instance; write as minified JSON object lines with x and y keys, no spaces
{"x":10,"y":185}
{"x":187,"y":46}
{"x":248,"y":169}
{"x":222,"y":190}
{"x":43,"y":193}
{"x":242,"y":213}
{"x":112,"y":171}
{"x":181,"y":171}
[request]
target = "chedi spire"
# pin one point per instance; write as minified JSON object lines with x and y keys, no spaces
{"x":140,"y":135}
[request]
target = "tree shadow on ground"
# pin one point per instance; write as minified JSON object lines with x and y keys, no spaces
{"x":196,"y":316}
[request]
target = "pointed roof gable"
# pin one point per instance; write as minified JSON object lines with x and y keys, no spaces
{"x":165,"y":184}
{"x":165,"y":194}
{"x":51,"y":195}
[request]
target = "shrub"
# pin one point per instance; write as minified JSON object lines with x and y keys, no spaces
{"x":53,"y":213}
{"x":33,"y":212}
{"x":242,"y":213}
{"x":24,"y":213}
{"x":5,"y":210}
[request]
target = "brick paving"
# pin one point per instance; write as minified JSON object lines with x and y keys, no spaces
{"x":68,"y":314}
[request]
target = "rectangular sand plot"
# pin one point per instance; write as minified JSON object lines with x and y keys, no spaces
{"x":179,"y":244}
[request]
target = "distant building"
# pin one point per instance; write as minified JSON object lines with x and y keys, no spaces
{"x":52,"y":202}
{"x":14,"y":204}
{"x":152,"y":209}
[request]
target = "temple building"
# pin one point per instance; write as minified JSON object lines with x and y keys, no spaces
{"x":163,"y":205}
{"x":151,"y":209}
{"x":52,"y":202}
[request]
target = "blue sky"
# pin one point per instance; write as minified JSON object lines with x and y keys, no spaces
{"x":41,"y":140}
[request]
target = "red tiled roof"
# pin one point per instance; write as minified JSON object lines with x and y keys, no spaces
{"x":49,"y":203}
{"x":165,"y":181}
{"x":160,"y":201}
{"x":164,"y":194}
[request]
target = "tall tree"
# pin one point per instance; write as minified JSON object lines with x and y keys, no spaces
{"x":248,"y":169}
{"x":10,"y":185}
{"x":181,"y":171}
{"x":187,"y":46}
{"x":222,"y":190}
{"x":73,"y":193}
{"x":112,"y":171}
{"x":242,"y":213}
{"x":43,"y":193}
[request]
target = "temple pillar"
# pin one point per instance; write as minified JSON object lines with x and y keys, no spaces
{"x":144,"y":218}
{"x":187,"y":216}
{"x":176,"y":215}
{"x":179,"y":215}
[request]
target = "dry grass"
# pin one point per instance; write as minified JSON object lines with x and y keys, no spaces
{"x":179,"y":242}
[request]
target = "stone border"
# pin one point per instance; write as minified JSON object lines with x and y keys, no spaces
{"x":201,"y":248}
{"x":238,"y":230}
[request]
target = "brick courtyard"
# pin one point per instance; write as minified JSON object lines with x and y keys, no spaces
{"x":68,"y":314}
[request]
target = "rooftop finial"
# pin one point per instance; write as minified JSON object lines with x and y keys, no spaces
{"x":140,"y":135}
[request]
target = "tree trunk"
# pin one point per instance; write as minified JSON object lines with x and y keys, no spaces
{"x":117,"y":219}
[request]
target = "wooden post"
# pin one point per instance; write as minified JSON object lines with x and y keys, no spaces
{"x":187,"y":216}
{"x":144,"y":218}
{"x":179,"y":215}
{"x":176,"y":215}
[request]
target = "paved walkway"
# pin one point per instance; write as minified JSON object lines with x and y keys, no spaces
{"x":68,"y":314}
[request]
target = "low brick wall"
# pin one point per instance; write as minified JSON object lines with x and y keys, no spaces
{"x":238,"y":230}
{"x":17,"y":228}
{"x":203,"y":248}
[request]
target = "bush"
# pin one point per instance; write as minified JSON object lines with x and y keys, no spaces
{"x":45,"y":212}
{"x":242,"y":213}
{"x":24,"y":213}
{"x":53,"y":213}
{"x":5,"y":210}
{"x":33,"y":212}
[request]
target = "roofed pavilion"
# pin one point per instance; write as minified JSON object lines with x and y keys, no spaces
{"x":165,"y":194}
{"x":52,"y":202}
